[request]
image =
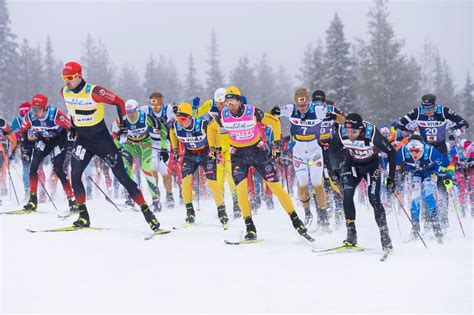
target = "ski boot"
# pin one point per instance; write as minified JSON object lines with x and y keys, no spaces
{"x":169,"y":200}
{"x":385,"y":239}
{"x":221,"y":213}
{"x":270,"y":204}
{"x":150,"y":218}
{"x":251,"y":230}
{"x":129,"y":202}
{"x":156,"y":205}
{"x":437,"y":230}
{"x":322,"y":220}
{"x":297,"y":224}
{"x":415,"y":230}
{"x":32,"y":204}
{"x":83,"y":220}
{"x":308,"y":217}
{"x":351,"y":239}
{"x":237,"y":212}
{"x":190,"y":215}
{"x":73,"y":207}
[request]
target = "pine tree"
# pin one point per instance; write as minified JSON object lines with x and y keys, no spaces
{"x":104,"y":70}
{"x":26,"y":86}
{"x":9,"y":70}
{"x":128,"y":84}
{"x":466,"y":106}
{"x":243,"y":76}
{"x":173,"y":86}
{"x":89,"y":57}
{"x":339,"y":78}
{"x":52,"y":76}
{"x":192,"y":87}
{"x":388,"y":83}
{"x":214,"y":74}
{"x":150,"y":79}
{"x":313,"y":68}
{"x":265,"y":85}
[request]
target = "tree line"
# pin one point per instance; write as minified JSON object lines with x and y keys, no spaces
{"x":371,"y":76}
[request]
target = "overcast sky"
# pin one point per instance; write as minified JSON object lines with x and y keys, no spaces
{"x":133,"y":30}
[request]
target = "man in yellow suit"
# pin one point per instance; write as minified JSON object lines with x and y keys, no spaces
{"x":248,"y":150}
{"x":224,"y":172}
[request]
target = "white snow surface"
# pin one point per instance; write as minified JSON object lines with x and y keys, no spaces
{"x":192,"y":270}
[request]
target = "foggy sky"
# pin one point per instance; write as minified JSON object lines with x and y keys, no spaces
{"x":133,"y":30}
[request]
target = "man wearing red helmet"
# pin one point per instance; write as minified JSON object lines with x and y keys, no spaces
{"x":86,"y":104}
{"x":51,"y":126}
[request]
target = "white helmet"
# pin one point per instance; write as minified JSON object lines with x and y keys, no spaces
{"x":219,"y":95}
{"x":131,"y":106}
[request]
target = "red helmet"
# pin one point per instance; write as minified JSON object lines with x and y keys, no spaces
{"x":72,"y":69}
{"x":24,"y":108}
{"x":39,"y":101}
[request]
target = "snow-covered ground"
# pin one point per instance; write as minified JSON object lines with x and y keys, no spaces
{"x":192,"y":270}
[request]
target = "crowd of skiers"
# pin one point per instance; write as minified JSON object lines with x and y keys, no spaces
{"x":422,"y":159}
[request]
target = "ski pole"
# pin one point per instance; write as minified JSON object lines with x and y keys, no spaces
{"x":11,"y":182}
{"x":456,"y":205}
{"x":409,"y":219}
{"x":396,"y":218}
{"x":105,"y":195}
{"x":47,"y":194}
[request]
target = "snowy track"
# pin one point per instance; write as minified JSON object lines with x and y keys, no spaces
{"x":192,"y":270}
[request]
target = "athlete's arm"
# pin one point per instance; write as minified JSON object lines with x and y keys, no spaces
{"x":62,"y":120}
{"x":270,"y":120}
{"x":455,"y":118}
{"x":407,"y":119}
{"x":25,"y":125}
{"x":384,"y":145}
{"x":204,"y":108}
{"x":174,"y":138}
{"x":212,"y":133}
{"x":335,"y":149}
{"x":102,"y":95}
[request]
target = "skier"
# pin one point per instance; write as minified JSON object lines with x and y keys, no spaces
{"x":145,"y":140}
{"x":8,"y":145}
{"x":191,"y":133}
{"x":212,"y":107}
{"x":164,"y":114}
{"x":247,"y":150}
{"x":86,"y":105}
{"x":424,"y":162}
{"x":462,"y":154}
{"x":52,"y":127}
{"x":354,"y":152}
{"x":433,"y":120}
{"x":306,"y":120}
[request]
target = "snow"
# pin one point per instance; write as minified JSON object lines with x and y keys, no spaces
{"x":192,"y":270}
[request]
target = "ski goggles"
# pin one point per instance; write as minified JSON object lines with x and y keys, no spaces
{"x":69,"y":77}
{"x":36,"y":109}
{"x":182,"y":117}
{"x":155,"y":101}
{"x":232,"y":101}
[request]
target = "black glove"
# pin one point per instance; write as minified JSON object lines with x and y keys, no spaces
{"x":276,"y":111}
{"x":72,"y":134}
{"x":335,"y":179}
{"x":390,"y":185}
{"x":3,"y":123}
{"x":176,"y":154}
{"x":175,"y":108}
{"x":164,"y":156}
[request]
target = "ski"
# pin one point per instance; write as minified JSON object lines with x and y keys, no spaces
{"x":159,"y":232}
{"x":70,"y":214}
{"x":384,"y":256}
{"x":308,"y":237}
{"x":341,"y":249}
{"x":67,"y":229}
{"x":21,"y":211}
{"x":225,"y":226}
{"x":187,"y":225}
{"x":242,"y":242}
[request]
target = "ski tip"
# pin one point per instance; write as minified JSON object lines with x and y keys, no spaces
{"x":31,"y":231}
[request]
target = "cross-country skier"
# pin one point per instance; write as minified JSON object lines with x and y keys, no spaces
{"x":247,"y":150}
{"x":191,"y":133}
{"x":424,"y":162}
{"x":51,"y":126}
{"x":354,"y":151}
{"x":86,"y":105}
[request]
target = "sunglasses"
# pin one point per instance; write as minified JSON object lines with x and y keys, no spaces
{"x":182,"y":118}
{"x":69,"y":77}
{"x":36,"y":109}
{"x":231,"y":101}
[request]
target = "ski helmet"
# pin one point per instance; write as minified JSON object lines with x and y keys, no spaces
{"x":24,"y":108}
{"x":318,"y":95}
{"x":301,"y":95}
{"x":428,"y":100}
{"x":219,"y":95}
{"x":39,"y":101}
{"x":354,"y":121}
{"x":131,"y":106}
{"x":72,"y":69}
{"x":233,"y":92}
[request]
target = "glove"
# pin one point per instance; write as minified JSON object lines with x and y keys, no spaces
{"x":390,"y":185}
{"x":215,"y":153}
{"x":175,"y":108}
{"x":196,"y":102}
{"x":25,"y":154}
{"x":72,"y":135}
{"x":3,"y":123}
{"x":335,"y":179}
{"x":164,"y":156}
{"x":276,"y":150}
{"x":276,"y":111}
{"x":448,"y":183}
{"x":175,"y":154}
{"x":458,"y":132}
